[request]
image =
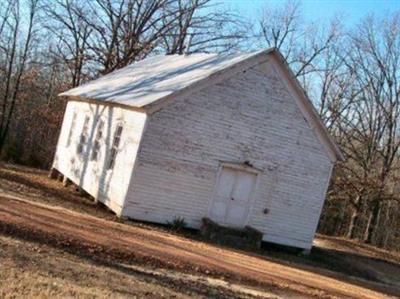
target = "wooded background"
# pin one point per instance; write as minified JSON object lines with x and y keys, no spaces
{"x":351,"y":74}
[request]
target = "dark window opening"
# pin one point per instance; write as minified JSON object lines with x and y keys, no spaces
{"x":97,"y":141}
{"x":84,"y":136}
{"x":115,"y":145}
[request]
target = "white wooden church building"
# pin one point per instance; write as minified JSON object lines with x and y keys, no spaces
{"x":229,"y":137}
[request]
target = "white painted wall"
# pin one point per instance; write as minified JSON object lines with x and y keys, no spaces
{"x":253,"y":116}
{"x":108,"y":186}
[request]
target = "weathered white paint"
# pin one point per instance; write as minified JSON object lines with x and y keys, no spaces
{"x":244,"y":129}
{"x":252,"y":116}
{"x":108,"y":186}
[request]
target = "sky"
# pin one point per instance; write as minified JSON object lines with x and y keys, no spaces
{"x":317,"y":10}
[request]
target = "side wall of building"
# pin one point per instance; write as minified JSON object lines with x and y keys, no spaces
{"x":93,"y":175}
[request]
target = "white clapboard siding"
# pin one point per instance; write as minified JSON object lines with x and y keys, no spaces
{"x":252,"y":116}
{"x":108,"y":186}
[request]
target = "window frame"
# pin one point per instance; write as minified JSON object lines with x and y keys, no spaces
{"x":72,"y":128}
{"x":83,"y":137}
{"x":97,"y":141}
{"x":115,"y":146}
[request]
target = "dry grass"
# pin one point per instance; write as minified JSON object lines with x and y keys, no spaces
{"x":32,"y":270}
{"x":35,"y":185}
{"x":29,"y":270}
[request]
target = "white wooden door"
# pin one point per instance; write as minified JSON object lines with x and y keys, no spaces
{"x":230,"y":206}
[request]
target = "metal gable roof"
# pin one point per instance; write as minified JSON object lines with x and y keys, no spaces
{"x":144,"y":82}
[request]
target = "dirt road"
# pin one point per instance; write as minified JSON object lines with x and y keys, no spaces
{"x":109,"y":240}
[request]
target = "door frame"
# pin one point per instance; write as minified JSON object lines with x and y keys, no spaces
{"x":236,"y":166}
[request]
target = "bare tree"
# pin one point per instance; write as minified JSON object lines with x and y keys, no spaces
{"x":379,"y":62}
{"x":70,"y":33}
{"x":125,"y":31}
{"x":301,"y":44}
{"x":16,"y":60}
{"x":369,"y":127}
{"x":215,"y":31}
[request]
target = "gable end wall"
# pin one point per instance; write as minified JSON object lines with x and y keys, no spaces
{"x":253,"y":117}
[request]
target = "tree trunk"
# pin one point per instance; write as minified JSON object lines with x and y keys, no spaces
{"x":352,"y":225}
{"x":387,"y":225}
{"x":373,"y":223}
{"x":367,"y":228}
{"x":338,"y":229}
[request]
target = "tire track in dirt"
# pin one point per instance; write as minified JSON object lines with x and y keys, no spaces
{"x":99,"y":238}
